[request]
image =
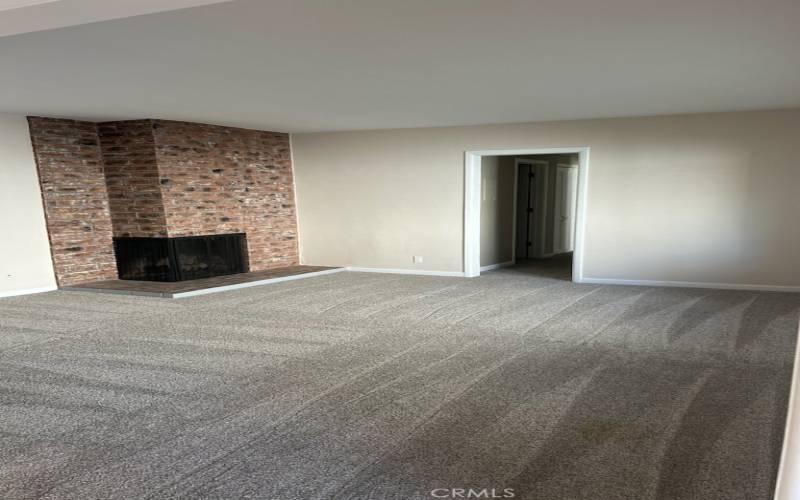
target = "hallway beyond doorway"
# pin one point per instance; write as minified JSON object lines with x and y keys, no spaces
{"x":556,"y":267}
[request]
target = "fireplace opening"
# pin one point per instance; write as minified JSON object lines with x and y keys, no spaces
{"x":182,"y":258}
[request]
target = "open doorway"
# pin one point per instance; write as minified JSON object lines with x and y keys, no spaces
{"x":545,"y":208}
{"x":528,"y":206}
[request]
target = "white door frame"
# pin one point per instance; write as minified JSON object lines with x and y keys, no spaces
{"x":556,"y":224}
{"x":472,"y":204}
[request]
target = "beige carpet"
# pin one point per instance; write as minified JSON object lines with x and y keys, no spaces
{"x":386,"y":387}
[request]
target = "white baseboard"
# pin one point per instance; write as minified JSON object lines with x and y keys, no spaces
{"x":787,"y":486}
{"x":419,"y":272}
{"x":691,"y":284}
{"x":28,"y":291}
{"x":497,"y":266}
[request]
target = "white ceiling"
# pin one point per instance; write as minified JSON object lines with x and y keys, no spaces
{"x":313,"y":65}
{"x":26,"y":16}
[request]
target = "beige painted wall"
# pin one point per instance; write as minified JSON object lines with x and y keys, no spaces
{"x":497,"y":210}
{"x":25,"y":263}
{"x":708,"y":198}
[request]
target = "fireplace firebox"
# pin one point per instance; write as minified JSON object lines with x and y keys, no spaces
{"x":181,"y":258}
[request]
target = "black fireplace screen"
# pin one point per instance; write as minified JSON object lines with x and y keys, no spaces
{"x":179,"y":259}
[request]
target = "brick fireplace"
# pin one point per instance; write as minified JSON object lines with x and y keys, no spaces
{"x":165,"y":180}
{"x":180,"y":259}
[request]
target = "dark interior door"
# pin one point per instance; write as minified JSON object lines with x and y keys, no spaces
{"x":526,"y":201}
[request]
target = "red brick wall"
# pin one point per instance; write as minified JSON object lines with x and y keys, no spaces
{"x":75,"y":200}
{"x":132,"y":178}
{"x":225,"y":180}
{"x":161,"y":178}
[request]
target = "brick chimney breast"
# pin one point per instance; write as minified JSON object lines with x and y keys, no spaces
{"x":159,"y":178}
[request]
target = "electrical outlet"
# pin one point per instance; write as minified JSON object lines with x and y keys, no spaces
{"x":417,"y":259}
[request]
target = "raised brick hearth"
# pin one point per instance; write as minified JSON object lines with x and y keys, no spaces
{"x":156,"y":178}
